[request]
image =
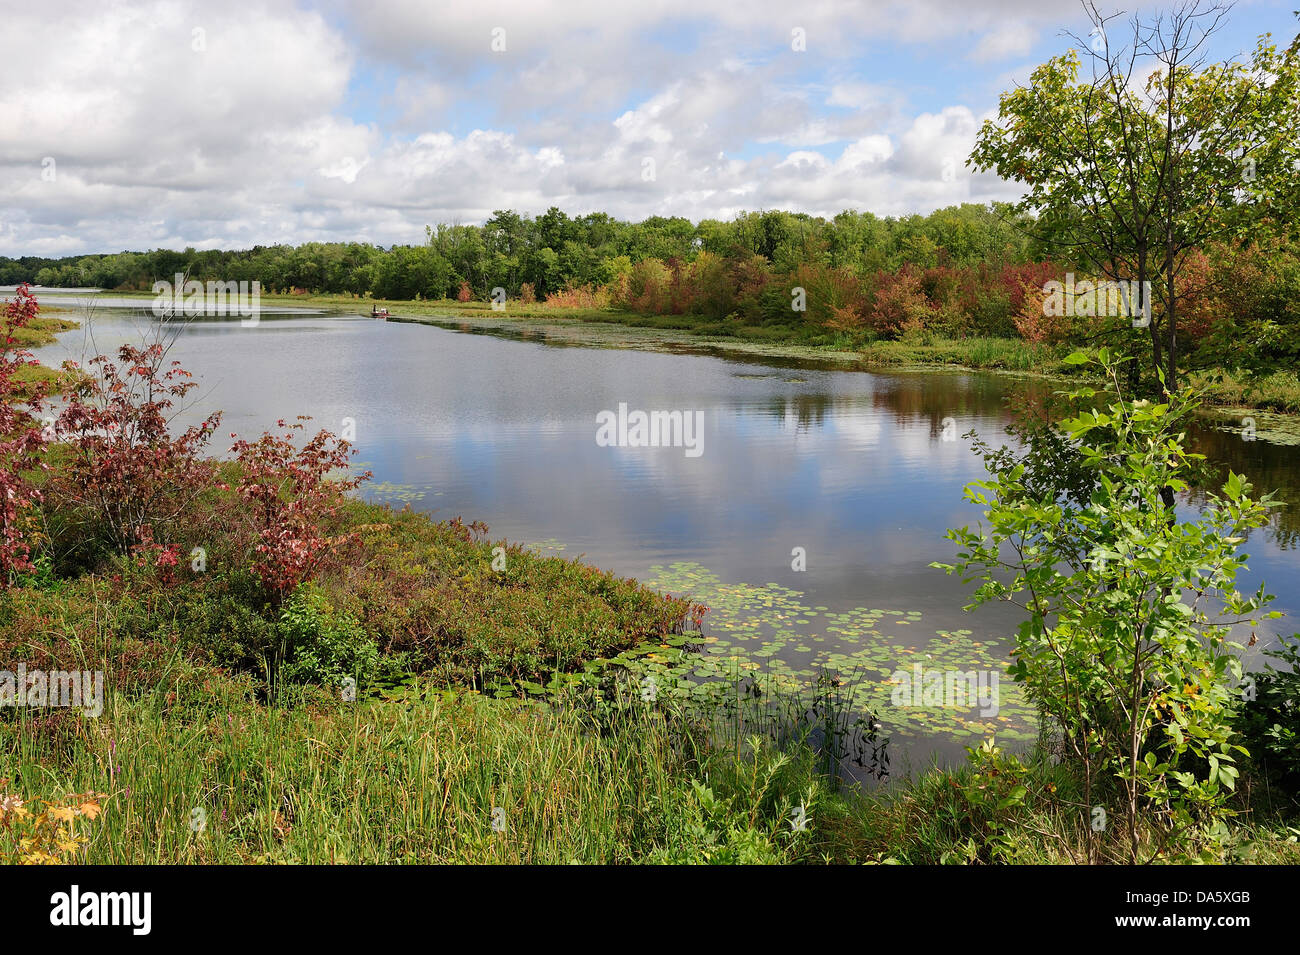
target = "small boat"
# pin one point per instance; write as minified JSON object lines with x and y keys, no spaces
{"x":376,"y":312}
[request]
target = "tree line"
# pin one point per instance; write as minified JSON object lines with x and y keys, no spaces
{"x":555,"y":251}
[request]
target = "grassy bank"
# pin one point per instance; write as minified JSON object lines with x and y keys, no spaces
{"x":405,"y":595}
{"x":220,"y":701}
{"x":216,"y":776}
{"x":43,"y":329}
{"x":224,"y":737}
{"x":1279,"y":392}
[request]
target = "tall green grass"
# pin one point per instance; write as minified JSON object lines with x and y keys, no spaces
{"x":367,"y":782}
{"x":1279,"y":391}
{"x":422,"y":780}
{"x":1008,"y":354}
{"x":213,"y":776}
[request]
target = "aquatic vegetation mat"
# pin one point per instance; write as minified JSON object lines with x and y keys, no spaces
{"x":766,"y":629}
{"x":761,"y":641}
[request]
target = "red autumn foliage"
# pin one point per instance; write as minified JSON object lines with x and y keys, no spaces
{"x":1199,"y":304}
{"x":165,"y":558}
{"x":649,"y":287}
{"x":900,"y":303}
{"x":583,"y":296}
{"x":1034,"y":325}
{"x":1016,"y":280}
{"x":751,"y":276}
{"x":21,"y":438}
{"x":292,"y":495}
{"x":125,"y":471}
{"x":465,"y":293}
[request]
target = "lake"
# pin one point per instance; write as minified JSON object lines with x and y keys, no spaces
{"x":855,"y":469}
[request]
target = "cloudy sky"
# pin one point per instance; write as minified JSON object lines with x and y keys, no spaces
{"x":229,"y":124}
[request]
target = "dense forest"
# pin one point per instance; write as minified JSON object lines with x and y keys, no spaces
{"x":961,"y":271}
{"x":554,"y":251}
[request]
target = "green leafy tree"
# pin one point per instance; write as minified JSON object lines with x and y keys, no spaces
{"x":1128,"y":176}
{"x":1126,"y":648}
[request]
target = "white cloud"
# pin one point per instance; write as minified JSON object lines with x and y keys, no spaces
{"x":278,"y":123}
{"x":1005,"y":41}
{"x":868,"y":150}
{"x":859,"y":95}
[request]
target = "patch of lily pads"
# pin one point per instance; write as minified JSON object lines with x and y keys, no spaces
{"x":1256,"y":425}
{"x":386,"y":492}
{"x":551,"y":547}
{"x":767,"y":631}
{"x":762,"y":642}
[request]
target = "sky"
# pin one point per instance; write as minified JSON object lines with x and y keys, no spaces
{"x":229,"y":124}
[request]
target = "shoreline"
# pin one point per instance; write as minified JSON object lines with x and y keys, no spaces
{"x":676,"y":334}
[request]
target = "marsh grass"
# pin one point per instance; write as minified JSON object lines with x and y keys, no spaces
{"x":418,"y":781}
{"x":422,"y":780}
{"x":42,"y":329}
{"x":370,"y":782}
{"x":1007,"y":354}
{"x":1279,"y":391}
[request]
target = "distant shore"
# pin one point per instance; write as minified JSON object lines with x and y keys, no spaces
{"x":1230,"y":396}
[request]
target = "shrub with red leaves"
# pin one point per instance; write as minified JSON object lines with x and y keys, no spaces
{"x":900,"y":303}
{"x":126,"y":472}
{"x":163,"y":558}
{"x":21,"y":438}
{"x":291,"y":495}
{"x":1034,"y":325}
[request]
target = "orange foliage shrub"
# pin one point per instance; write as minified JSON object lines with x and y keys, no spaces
{"x":649,"y":287}
{"x":751,"y":276}
{"x":583,"y":296}
{"x":1199,"y":303}
{"x":1032,"y":321}
{"x":900,"y":303}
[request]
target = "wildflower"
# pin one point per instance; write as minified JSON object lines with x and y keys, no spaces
{"x":10,"y":804}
